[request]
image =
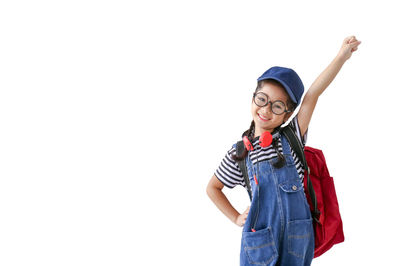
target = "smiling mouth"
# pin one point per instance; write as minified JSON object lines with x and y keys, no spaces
{"x":263,"y":118}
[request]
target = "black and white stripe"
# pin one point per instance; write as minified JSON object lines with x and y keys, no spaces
{"x":229,"y":173}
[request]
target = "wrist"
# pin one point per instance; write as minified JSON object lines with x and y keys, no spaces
{"x":235,"y":218}
{"x":340,"y":59}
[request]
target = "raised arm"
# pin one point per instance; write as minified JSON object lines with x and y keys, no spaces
{"x":349,"y":45}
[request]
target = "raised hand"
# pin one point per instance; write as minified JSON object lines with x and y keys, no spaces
{"x":349,"y":45}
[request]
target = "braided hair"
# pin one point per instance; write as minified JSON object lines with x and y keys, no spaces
{"x":250,"y":135}
{"x":250,"y":132}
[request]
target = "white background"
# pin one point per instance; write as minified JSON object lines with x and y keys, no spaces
{"x":114,"y":115}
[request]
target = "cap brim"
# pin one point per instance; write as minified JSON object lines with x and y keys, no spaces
{"x":287,"y":88}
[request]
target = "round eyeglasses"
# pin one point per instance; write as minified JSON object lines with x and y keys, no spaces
{"x":277,"y":107}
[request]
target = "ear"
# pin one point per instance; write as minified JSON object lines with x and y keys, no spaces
{"x":287,"y":116}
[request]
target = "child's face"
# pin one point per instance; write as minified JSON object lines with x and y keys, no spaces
{"x":264,"y":118}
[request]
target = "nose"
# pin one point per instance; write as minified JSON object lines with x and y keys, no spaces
{"x":267,"y":108}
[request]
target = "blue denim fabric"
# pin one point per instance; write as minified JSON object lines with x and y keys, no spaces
{"x":280,"y":215}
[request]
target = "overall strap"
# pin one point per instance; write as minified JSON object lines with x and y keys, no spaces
{"x":242,"y":165}
{"x":296,"y":145}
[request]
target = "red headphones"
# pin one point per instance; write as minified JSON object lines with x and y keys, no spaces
{"x":265,"y":141}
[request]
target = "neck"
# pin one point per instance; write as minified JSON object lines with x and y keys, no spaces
{"x":258,"y":133}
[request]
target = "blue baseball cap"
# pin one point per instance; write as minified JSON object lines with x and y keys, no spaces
{"x":289,"y":80}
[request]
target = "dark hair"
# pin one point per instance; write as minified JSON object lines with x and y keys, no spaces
{"x":250,"y":132}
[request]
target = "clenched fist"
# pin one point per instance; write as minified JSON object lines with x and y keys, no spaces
{"x":349,"y":45}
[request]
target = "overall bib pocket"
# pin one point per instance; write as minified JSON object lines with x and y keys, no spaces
{"x":300,"y":237}
{"x":294,"y":200}
{"x":260,"y":247}
{"x":291,"y":186}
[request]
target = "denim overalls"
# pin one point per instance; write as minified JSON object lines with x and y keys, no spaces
{"x":278,"y":229}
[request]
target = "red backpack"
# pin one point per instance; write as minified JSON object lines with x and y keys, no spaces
{"x":329,"y":230}
{"x":319,"y":189}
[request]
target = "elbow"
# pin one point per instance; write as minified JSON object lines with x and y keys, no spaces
{"x":214,"y":187}
{"x":209,"y":190}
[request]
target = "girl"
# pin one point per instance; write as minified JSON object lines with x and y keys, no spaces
{"x":279,"y":230}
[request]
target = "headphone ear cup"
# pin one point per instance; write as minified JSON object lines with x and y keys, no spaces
{"x":247,"y":143}
{"x":265,"y":139}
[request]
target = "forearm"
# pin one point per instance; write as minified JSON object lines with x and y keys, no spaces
{"x":326,"y":77}
{"x":222,"y":203}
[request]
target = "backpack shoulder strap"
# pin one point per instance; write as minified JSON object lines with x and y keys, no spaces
{"x":296,"y":145}
{"x":242,"y":165}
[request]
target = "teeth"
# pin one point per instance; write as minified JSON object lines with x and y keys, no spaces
{"x":263,"y":117}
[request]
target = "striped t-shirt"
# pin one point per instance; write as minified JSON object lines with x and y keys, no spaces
{"x":229,"y":172}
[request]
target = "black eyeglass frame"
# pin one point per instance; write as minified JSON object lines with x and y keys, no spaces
{"x":269,"y":101}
